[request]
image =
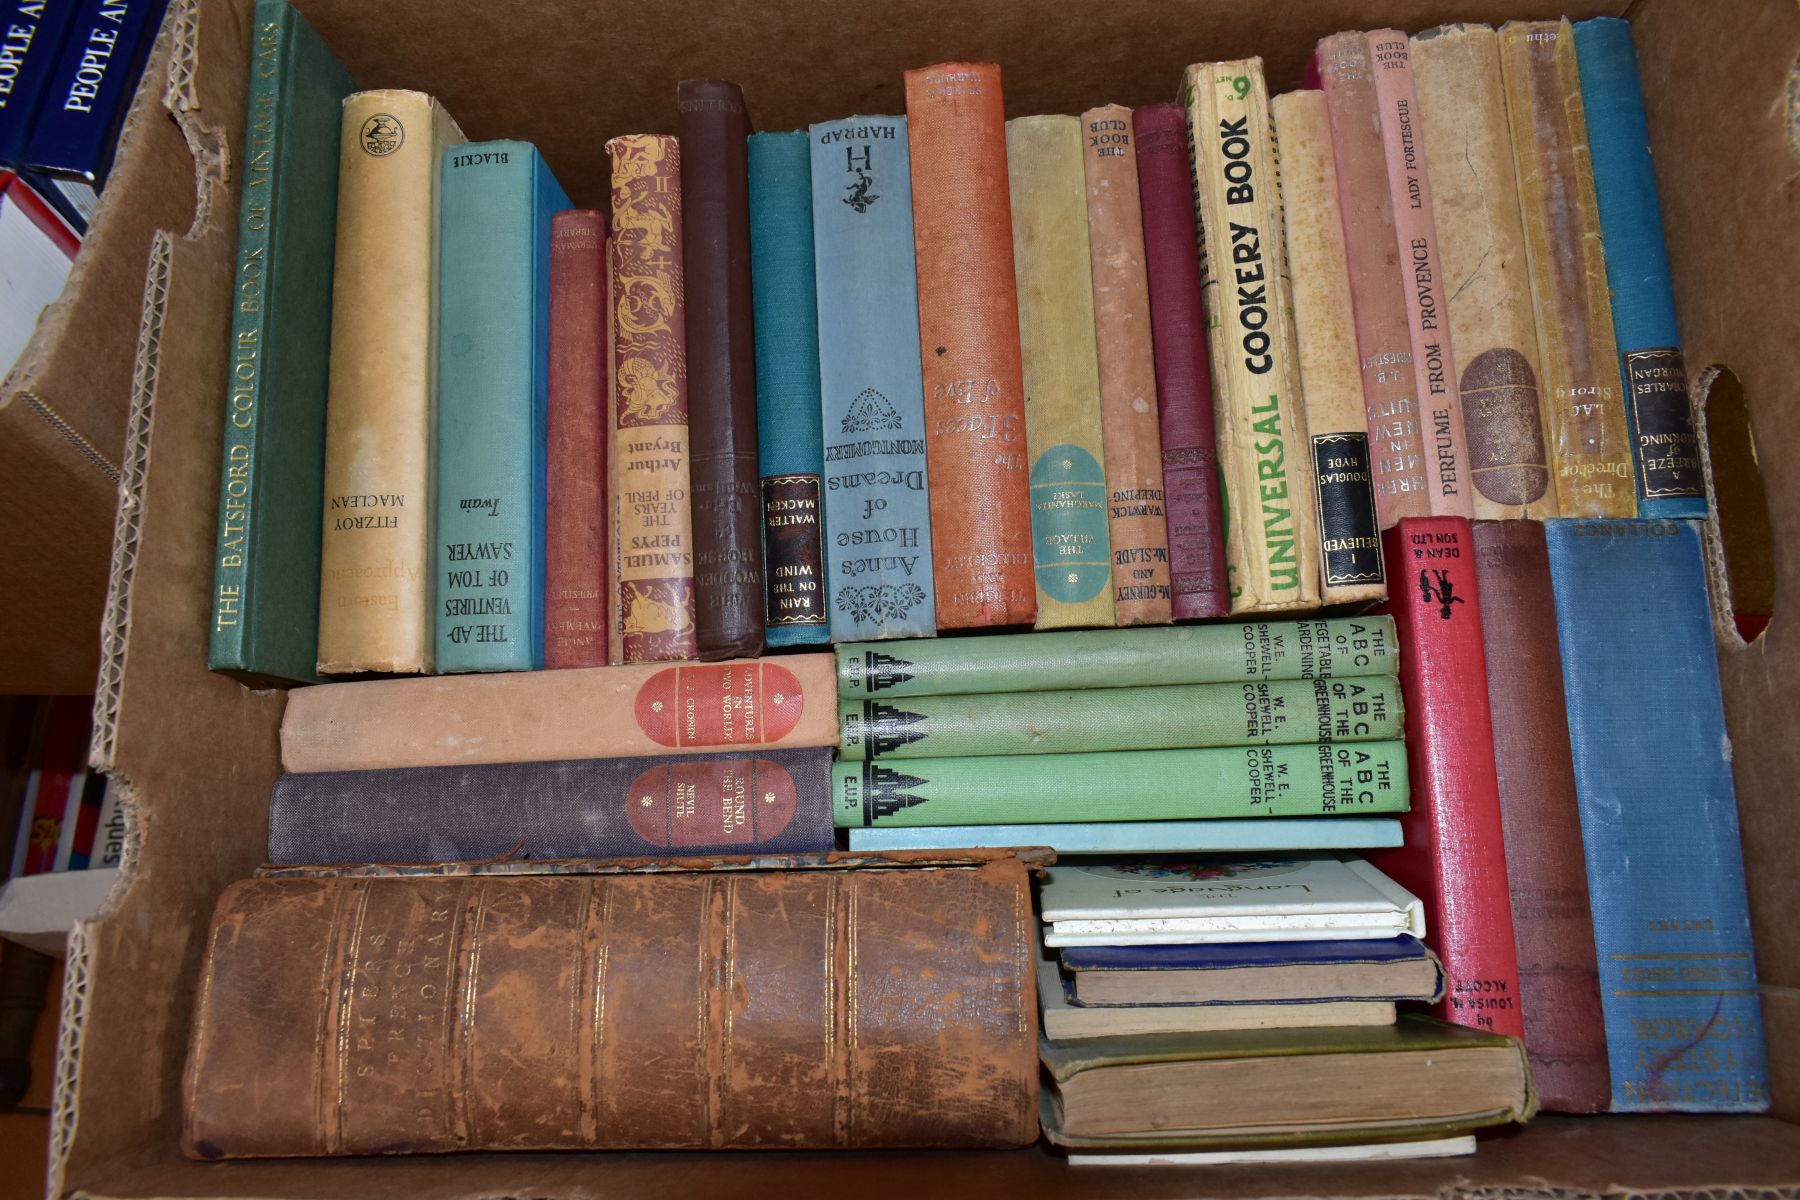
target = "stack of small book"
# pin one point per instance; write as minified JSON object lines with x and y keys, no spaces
{"x":1246,"y":1007}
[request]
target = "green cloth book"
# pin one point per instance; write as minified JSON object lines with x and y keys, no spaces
{"x":1258,"y":712}
{"x":265,"y":617}
{"x":1361,"y":779}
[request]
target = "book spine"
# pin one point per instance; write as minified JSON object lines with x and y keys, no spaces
{"x":1454,"y":858}
{"x":53,"y":792}
{"x":1350,"y":569}
{"x":1659,"y":819}
{"x":721,"y":359}
{"x":85,"y":824}
{"x":654,"y":572}
{"x":1071,"y":542}
{"x":1142,"y":837}
{"x":1271,"y":528}
{"x":1475,"y":196}
{"x":877,"y":503}
{"x":1590,"y":444}
{"x":1184,"y":391}
{"x":1422,"y":272}
{"x":576,"y":579}
{"x":1665,"y":447}
{"x":1553,"y":924}
{"x":109,"y":840}
{"x":1258,"y":713}
{"x":1137,"y":785}
{"x":790,"y":444}
{"x":33,"y":41}
{"x":76,"y":129}
{"x":1346,"y":74}
{"x":375,"y":573}
{"x":981,"y":532}
{"x":1319,"y":648}
{"x":1136,"y":516}
{"x":613,"y":465}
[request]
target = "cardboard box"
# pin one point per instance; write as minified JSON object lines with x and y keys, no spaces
{"x":196,"y":753}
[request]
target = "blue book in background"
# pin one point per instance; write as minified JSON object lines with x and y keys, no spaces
{"x":1658,"y":816}
{"x":31,"y":39}
{"x":84,"y":104}
{"x":495,"y":205}
{"x":1391,"y":969}
{"x":1145,"y":837}
{"x":878,"y":555}
{"x":789,"y":441}
{"x":1665,"y":447}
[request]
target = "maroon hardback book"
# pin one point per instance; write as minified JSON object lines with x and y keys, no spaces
{"x":1553,"y":925}
{"x":1454,"y":858}
{"x":721,"y":364}
{"x":1183,"y":376}
{"x":575,"y":508}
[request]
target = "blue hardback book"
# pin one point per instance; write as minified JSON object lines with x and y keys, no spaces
{"x":31,"y":39}
{"x":878,"y":556}
{"x":495,"y":204}
{"x":1658,"y":816}
{"x":84,"y":104}
{"x":789,"y":437}
{"x":1145,"y":837}
{"x":1665,"y":447}
{"x":1232,"y":955}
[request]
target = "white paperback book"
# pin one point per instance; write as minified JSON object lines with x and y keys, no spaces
{"x":1326,"y":897}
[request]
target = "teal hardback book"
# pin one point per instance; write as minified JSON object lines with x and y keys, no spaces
{"x":877,"y":507}
{"x":1659,"y":818}
{"x":495,"y":204}
{"x":790,"y":443}
{"x":1143,"y":837}
{"x":265,"y":608}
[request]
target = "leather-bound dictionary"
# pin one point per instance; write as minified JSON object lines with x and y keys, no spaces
{"x":1487,"y":289}
{"x":850,"y":1005}
{"x":1422,"y":275}
{"x":1553,"y":924}
{"x":1345,"y":72}
{"x":1454,"y":858}
{"x":1350,"y":568}
{"x":726,"y":489}
{"x":969,"y":346}
{"x":1272,"y":528}
{"x":575,"y":520}
{"x":1128,"y":418}
{"x":1070,"y":538}
{"x":1184,"y":394}
{"x":1590,"y":441}
{"x":598,"y":712}
{"x":653,"y":558}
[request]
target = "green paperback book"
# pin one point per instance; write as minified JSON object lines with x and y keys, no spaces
{"x":1256,"y":712}
{"x":1318,"y":648}
{"x":265,"y":618}
{"x":1358,"y":778}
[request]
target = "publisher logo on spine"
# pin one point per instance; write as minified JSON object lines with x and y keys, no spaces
{"x":382,"y":134}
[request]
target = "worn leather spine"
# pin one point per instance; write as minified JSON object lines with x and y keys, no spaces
{"x":1590,"y":443}
{"x":1350,"y":569}
{"x":1553,"y":923}
{"x":1070,"y":537}
{"x":1184,"y":394}
{"x":1271,"y":529}
{"x":576,"y":578}
{"x":1487,"y":288}
{"x":375,"y":574}
{"x":1345,"y":72}
{"x":974,"y":385}
{"x":725,"y":484}
{"x":654,"y":570}
{"x":706,"y":1011}
{"x":1128,"y":418}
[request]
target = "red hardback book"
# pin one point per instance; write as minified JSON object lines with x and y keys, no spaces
{"x":575,"y":518}
{"x":1454,"y":858}
{"x":1183,"y":375}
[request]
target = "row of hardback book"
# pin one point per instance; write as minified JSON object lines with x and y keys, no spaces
{"x":891,"y":376}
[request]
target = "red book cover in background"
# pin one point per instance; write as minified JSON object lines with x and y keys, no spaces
{"x":575,"y":583}
{"x":1454,"y":858}
{"x":55,"y":789}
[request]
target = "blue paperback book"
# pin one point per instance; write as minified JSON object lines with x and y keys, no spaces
{"x":31,"y":39}
{"x":878,"y":556}
{"x":495,"y":206}
{"x":789,"y":438}
{"x":1144,"y":837}
{"x":1665,"y":447}
{"x":1394,"y":969}
{"x":1658,"y":816}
